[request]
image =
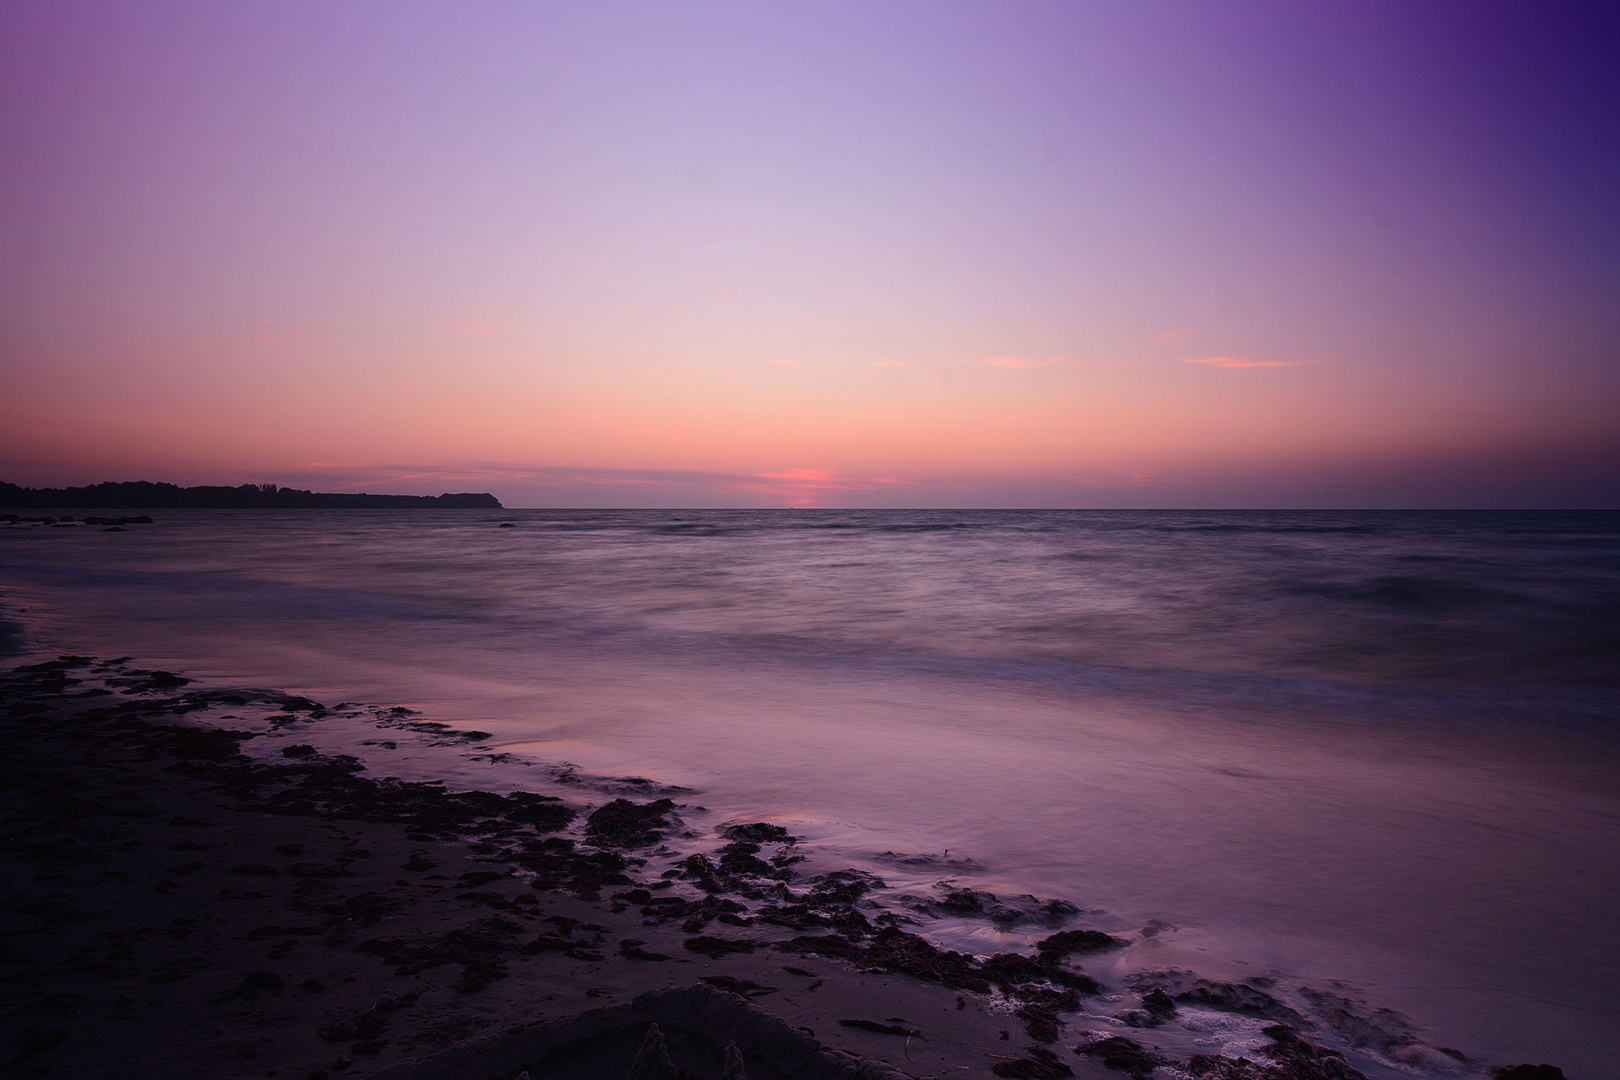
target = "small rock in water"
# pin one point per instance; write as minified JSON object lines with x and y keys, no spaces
{"x":1529,"y":1072}
{"x":1233,"y":997}
{"x":1080,"y":942}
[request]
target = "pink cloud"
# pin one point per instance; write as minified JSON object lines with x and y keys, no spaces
{"x":1239,"y":362}
{"x":1170,"y":335}
{"x":1014,"y":363}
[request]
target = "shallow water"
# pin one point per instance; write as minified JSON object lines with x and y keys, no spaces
{"x":1376,"y":747}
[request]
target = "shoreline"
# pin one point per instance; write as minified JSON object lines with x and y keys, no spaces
{"x":181,"y":908}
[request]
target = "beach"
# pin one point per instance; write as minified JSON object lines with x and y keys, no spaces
{"x":177,"y":907}
{"x":168,"y":916}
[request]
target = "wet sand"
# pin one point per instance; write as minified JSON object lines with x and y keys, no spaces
{"x":175,"y":907}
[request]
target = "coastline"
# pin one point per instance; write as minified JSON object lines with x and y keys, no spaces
{"x":182,"y":908}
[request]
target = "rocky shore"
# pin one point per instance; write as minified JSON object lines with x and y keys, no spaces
{"x":178,"y":905}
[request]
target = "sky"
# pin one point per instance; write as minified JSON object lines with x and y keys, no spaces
{"x":998,"y":254}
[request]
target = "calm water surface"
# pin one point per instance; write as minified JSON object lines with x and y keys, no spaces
{"x":1373,"y":747}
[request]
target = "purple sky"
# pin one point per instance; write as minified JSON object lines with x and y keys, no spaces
{"x":997,"y":254}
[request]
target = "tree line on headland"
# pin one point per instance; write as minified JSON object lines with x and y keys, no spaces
{"x":143,"y":494}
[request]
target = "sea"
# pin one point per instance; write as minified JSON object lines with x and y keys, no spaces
{"x":1376,"y":753}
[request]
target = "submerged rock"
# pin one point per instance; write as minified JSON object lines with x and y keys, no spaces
{"x":1383,"y":1030}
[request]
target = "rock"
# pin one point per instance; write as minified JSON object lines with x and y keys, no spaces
{"x":1041,"y":1064}
{"x":652,"y":1060}
{"x":1529,"y":1072}
{"x":759,"y":832}
{"x":1041,"y":1022}
{"x":733,"y":1068}
{"x":632,"y":948}
{"x":965,"y":902}
{"x":743,"y":988}
{"x":625,"y":824}
{"x":1056,"y":911}
{"x":1289,"y":1058}
{"x":1079,"y":942}
{"x":342,"y":1031}
{"x":1123,"y":1054}
{"x":717,"y":947}
{"x":899,"y":952}
{"x":739,"y":859}
{"x":1383,"y":1030}
{"x":1157,"y":1007}
{"x":1158,"y":1002}
{"x":1235,"y":997}
{"x":545,"y":812}
{"x":257,"y":982}
{"x":393,"y":1001}
{"x":36,"y":1041}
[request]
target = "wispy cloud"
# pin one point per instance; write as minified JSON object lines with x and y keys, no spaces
{"x":1240,"y":362}
{"x":1170,"y":335}
{"x":1016,"y":363}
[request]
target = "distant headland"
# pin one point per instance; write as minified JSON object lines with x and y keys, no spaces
{"x":144,"y":495}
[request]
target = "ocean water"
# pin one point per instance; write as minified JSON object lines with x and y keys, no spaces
{"x":1377,"y":750}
